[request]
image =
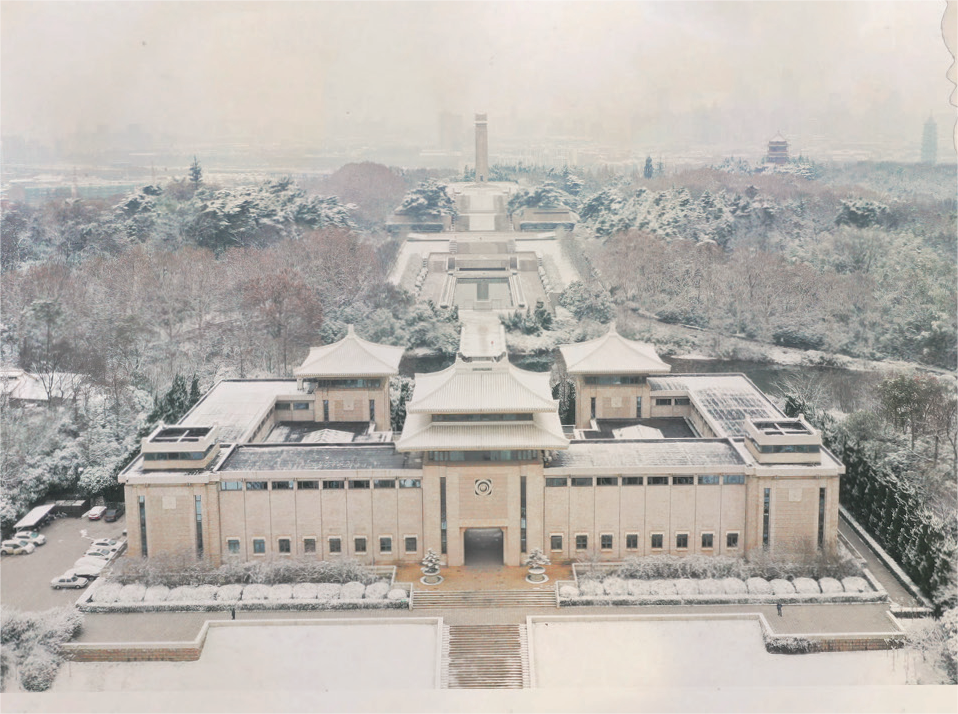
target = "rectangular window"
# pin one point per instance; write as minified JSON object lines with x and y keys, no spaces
{"x":663,"y":402}
{"x":631,"y":480}
{"x":142,"y":503}
{"x":359,"y":544}
{"x":257,"y":485}
{"x":638,"y":407}
{"x":555,"y":542}
{"x":259,"y":546}
{"x":682,"y":402}
{"x":325,"y":410}
{"x":300,"y":406}
{"x":309,"y":545}
{"x":614,"y":379}
{"x":734,"y":479}
{"x":231,"y":485}
{"x":581,"y":542}
{"x":607,"y":481}
{"x":384,"y":483}
{"x":657,"y":541}
{"x":198,"y":507}
{"x":554,"y":482}
{"x":385,"y":544}
{"x":283,"y":406}
{"x":605,"y":541}
{"x":443,"y":538}
{"x":658,"y":480}
{"x":682,"y":541}
{"x":233,"y":546}
{"x":333,"y":485}
{"x":282,"y":485}
{"x":362,"y":483}
{"x":285,"y":545}
{"x":581,"y":480}
{"x":731,"y":540}
{"x":410,"y":483}
{"x":766,"y":516}
{"x":631,"y":541}
{"x":708,"y":480}
{"x":592,"y":407}
{"x":410,"y":544}
{"x":821,"y":517}
{"x":307,"y":485}
{"x":522,"y":514}
{"x":683,"y":480}
{"x":336,"y":545}
{"x":707,"y":541}
{"x":372,"y":410}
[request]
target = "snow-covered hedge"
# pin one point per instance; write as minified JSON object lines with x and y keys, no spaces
{"x":107,"y":596}
{"x":34,"y":640}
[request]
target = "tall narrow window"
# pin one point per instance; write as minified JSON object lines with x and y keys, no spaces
{"x":143,"y":549}
{"x":198,"y":505}
{"x":325,"y":410}
{"x":821,"y":517}
{"x":522,"y":514}
{"x":638,"y":407}
{"x":592,"y":407}
{"x":372,"y":410}
{"x":442,"y":515}
{"x":766,"y":508}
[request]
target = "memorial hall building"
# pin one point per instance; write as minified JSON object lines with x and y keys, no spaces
{"x":656,"y":463}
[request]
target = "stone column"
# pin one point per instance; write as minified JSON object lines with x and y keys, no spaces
{"x":482,"y":149}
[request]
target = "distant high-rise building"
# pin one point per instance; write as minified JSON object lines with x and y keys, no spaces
{"x":482,"y":149}
{"x":777,"y":151}
{"x":929,"y":142}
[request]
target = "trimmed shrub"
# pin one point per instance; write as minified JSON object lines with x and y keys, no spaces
{"x":758,"y":586}
{"x":281,"y":591}
{"x":710,"y":586}
{"x":206,"y":592}
{"x":734,"y":586}
{"x":568,"y":591}
{"x":615,"y":586}
{"x":156,"y":593}
{"x":687,"y":587}
{"x":256,"y":591}
{"x":806,"y":586}
{"x":328,"y":591}
{"x":662,"y":587}
{"x":229,"y":593}
{"x":376,"y":591}
{"x":304,"y":591}
{"x":782,"y":587}
{"x":39,"y":669}
{"x":352,"y":591}
{"x":830,"y":585}
{"x":134,"y":592}
{"x":591,"y":587}
{"x":639,"y":587}
{"x":855,"y":585}
{"x":396,"y":594}
{"x":106,"y":593}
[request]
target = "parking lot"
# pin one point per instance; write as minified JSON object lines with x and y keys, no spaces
{"x":25,"y":579}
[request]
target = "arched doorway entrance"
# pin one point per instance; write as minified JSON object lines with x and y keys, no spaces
{"x":483,"y":546}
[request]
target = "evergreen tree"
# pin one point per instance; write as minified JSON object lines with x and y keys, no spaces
{"x":648,"y":171}
{"x":196,"y":173}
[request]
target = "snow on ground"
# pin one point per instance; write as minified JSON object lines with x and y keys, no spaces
{"x":286,"y":658}
{"x":701,"y":653}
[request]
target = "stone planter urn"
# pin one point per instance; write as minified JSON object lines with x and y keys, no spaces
{"x":430,"y":569}
{"x":536,"y":563}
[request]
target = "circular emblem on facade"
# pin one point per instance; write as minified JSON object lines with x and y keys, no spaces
{"x":483,"y":487}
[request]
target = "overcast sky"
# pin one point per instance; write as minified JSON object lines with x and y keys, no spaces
{"x":312,"y":71}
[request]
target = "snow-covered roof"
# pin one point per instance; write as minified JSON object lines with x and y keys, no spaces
{"x":725,"y":400}
{"x":258,"y":458}
{"x":25,"y":386}
{"x":352,"y":356}
{"x":420,"y":433}
{"x":671,"y":454}
{"x":481,"y":387}
{"x":237,"y":406}
{"x":612,"y":354}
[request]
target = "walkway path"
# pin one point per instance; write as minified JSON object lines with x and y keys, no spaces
{"x":896,"y":591}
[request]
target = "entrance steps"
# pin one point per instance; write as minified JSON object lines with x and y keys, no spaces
{"x":437,"y":599}
{"x":485,"y":657}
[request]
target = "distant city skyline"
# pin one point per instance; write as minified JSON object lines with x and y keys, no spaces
{"x":626,"y":76}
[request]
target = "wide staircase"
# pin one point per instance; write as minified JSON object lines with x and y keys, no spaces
{"x":485,"y":657}
{"x":437,"y":599}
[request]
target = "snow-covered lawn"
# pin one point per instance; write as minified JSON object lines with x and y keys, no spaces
{"x":281,"y":658}
{"x":699,"y":653}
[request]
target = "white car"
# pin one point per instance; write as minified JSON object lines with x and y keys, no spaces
{"x":103,"y":553}
{"x":95,"y":513}
{"x":32,"y":536}
{"x":96,"y":564}
{"x":105,"y":543}
{"x":69,"y":580}
{"x":17,"y":546}
{"x":90,"y":572}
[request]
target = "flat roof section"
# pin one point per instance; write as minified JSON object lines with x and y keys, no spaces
{"x":309,"y":457}
{"x":658,"y":453}
{"x":317,"y":432}
{"x":236,"y":405}
{"x":727,"y":400}
{"x":661,"y":428}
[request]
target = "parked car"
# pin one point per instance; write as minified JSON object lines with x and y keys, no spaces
{"x":104,"y":543}
{"x":103,"y":553}
{"x":86,"y":561}
{"x":17,"y":546}
{"x":69,"y":580}
{"x":96,"y":513}
{"x":112,"y":514}
{"x":32,"y":536}
{"x":90,"y":572}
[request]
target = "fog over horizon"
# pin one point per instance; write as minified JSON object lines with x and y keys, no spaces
{"x":626,"y":75}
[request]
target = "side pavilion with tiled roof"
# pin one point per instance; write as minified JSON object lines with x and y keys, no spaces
{"x":349,"y":380}
{"x":611,"y":375}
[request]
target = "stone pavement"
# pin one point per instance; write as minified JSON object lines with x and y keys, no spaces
{"x":896,"y":591}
